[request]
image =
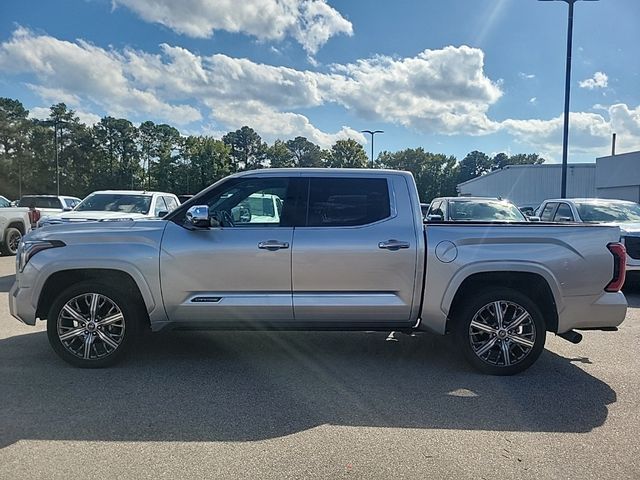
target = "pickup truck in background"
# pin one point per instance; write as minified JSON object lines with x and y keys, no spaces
{"x":349,"y":252}
{"x":473,"y":209}
{"x":15,"y":222}
{"x":618,"y":213}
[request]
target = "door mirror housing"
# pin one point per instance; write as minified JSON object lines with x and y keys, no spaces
{"x":563,"y":219}
{"x":198,"y":216}
{"x":162,"y":213}
{"x":67,"y":209}
{"x":434,"y":218}
{"x":533,"y":218}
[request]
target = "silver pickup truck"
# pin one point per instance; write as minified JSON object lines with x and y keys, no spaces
{"x":349,"y":251}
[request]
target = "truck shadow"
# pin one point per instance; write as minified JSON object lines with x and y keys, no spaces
{"x":6,"y":282}
{"x":248,"y":386}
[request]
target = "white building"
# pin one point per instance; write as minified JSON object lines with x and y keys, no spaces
{"x":529,"y":185}
{"x":616,"y":176}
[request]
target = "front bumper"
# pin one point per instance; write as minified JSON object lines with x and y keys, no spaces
{"x":20,"y":304}
{"x":592,"y":312}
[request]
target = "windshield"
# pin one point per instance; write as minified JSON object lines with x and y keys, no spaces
{"x":4,"y":202}
{"x":608,"y":211}
{"x":484,"y":211}
{"x":114,"y":202}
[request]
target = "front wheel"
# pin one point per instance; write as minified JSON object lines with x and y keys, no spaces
{"x":92,"y":325}
{"x":500,"y":331}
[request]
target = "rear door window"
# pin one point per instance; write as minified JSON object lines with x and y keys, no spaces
{"x":347,"y":202}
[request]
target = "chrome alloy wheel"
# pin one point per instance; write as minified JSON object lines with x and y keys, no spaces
{"x":91,"y":326}
{"x":502,"y":333}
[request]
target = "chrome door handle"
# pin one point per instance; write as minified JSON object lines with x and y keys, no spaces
{"x":273,"y":245}
{"x":393,"y":245}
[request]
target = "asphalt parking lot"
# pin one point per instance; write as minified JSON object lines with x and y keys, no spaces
{"x":317,"y":405}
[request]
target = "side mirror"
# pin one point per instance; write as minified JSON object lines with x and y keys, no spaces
{"x":67,"y":209}
{"x":563,"y":219}
{"x":198,"y":216}
{"x":533,"y":218}
{"x":162,"y":213}
{"x":434,"y":218}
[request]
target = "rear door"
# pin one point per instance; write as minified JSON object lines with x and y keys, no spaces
{"x":354,"y":257}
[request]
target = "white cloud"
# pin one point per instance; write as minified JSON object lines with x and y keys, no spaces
{"x":599,"y":80}
{"x":310,"y":22}
{"x":441,"y":91}
{"x":533,"y":100}
{"x":526,"y":76}
{"x":589,"y":133}
{"x":81,"y":69}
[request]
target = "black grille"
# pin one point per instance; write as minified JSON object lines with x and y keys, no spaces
{"x":632,"y":244}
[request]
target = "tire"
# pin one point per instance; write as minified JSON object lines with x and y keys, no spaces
{"x":11,"y":241}
{"x":486,"y":346}
{"x":68,"y":336}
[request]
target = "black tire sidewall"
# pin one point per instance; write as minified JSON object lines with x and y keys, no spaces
{"x":464,"y":316}
{"x":6,"y":249}
{"x":128,"y":306}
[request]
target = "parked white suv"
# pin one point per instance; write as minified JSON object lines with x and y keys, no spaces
{"x":117,"y":204}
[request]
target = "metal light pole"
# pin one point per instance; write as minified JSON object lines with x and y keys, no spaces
{"x":372,"y":133}
{"x":567,"y":93}
{"x":55,"y":124}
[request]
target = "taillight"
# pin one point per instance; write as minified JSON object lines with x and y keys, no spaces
{"x":619,"y":267}
{"x":34,"y":215}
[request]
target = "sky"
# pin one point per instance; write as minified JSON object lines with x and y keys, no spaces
{"x":449,"y":76}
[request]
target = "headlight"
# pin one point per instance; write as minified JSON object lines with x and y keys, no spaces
{"x":28,"y":248}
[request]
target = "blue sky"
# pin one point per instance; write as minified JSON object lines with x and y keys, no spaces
{"x":450,"y":76}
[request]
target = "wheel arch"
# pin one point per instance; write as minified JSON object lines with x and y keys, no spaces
{"x":62,"y":279}
{"x":530,"y":283}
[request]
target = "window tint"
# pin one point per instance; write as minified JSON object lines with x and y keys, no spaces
{"x":171,"y":203}
{"x":40,"y":202}
{"x":548,"y":212}
{"x":251,"y":202}
{"x":563,"y":214}
{"x":4,"y":203}
{"x":160,"y":207}
{"x":341,"y":202}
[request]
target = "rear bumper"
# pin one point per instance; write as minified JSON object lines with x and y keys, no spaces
{"x":20,"y":304}
{"x":633,"y":265}
{"x":604,"y":310}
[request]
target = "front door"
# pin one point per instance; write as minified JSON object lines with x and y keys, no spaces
{"x":239,"y":271}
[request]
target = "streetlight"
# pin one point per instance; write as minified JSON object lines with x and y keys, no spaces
{"x":567,"y":91}
{"x":372,"y":133}
{"x":55,"y":124}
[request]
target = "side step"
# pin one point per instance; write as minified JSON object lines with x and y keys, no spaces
{"x":571,"y":336}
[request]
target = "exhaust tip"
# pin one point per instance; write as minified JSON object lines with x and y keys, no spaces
{"x":571,"y":336}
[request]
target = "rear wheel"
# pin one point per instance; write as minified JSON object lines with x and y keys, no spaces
{"x":500,"y":331}
{"x":12,"y":239}
{"x":92,"y":325}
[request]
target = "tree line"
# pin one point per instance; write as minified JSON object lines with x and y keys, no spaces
{"x":116,"y":154}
